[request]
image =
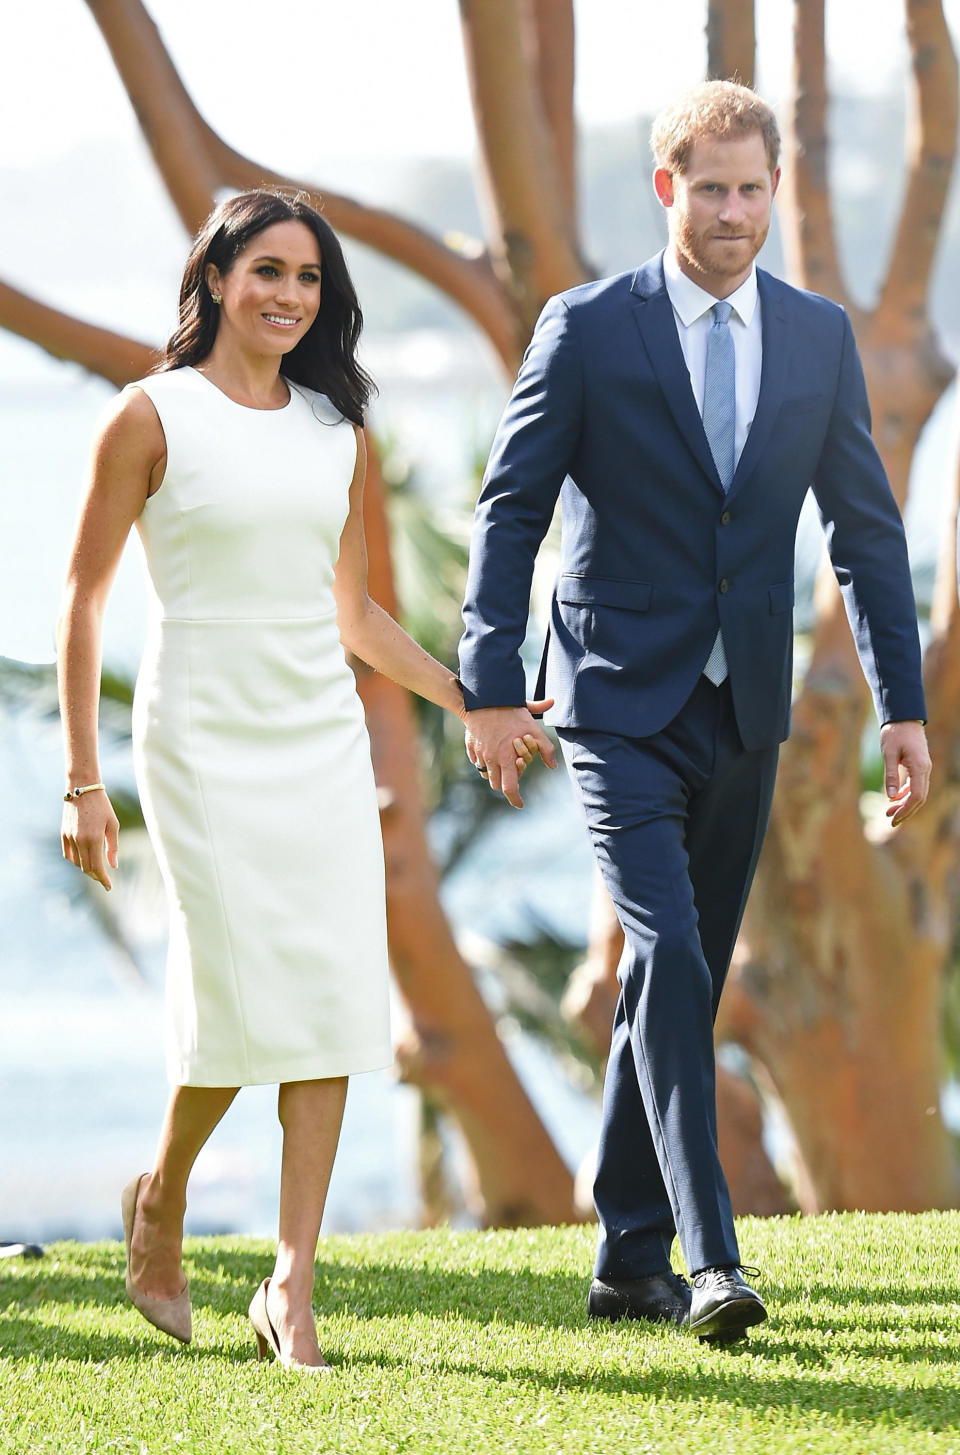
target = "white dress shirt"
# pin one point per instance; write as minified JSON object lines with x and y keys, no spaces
{"x":691,"y":310}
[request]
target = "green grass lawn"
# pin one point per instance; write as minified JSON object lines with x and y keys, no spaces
{"x":479,"y":1342}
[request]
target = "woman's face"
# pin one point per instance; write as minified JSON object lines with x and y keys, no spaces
{"x":271,"y":295}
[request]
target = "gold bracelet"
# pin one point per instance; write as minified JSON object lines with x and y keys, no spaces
{"x":73,"y":793}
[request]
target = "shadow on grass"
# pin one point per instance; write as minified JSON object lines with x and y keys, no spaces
{"x":877,"y":1293}
{"x":821,"y":1352}
{"x":863,"y":1401}
{"x":25,"y":1341}
{"x":223,"y":1281}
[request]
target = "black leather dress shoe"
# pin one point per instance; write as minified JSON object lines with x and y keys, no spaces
{"x":661,"y":1298}
{"x":724,"y":1305}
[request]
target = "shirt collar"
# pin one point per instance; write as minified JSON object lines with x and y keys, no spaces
{"x":692,"y":302}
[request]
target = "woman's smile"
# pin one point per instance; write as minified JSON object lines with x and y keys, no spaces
{"x":275,"y":281}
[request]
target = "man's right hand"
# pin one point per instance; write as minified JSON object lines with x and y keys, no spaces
{"x":490,"y":735}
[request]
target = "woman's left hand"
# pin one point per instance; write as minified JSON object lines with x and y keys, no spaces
{"x":526,"y":749}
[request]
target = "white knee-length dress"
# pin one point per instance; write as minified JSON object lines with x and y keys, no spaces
{"x":251,"y":752}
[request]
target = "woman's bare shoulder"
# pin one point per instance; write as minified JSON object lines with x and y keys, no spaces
{"x":130,"y":409}
{"x":130,"y":428}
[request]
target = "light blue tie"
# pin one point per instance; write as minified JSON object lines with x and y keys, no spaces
{"x":719,"y":424}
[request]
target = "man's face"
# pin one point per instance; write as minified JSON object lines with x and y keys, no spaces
{"x":718,"y":210}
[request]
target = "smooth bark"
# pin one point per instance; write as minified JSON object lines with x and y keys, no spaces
{"x":849,"y":931}
{"x":551,"y":26}
{"x":532,"y":243}
{"x":449,"y":1045}
{"x":195,"y":163}
{"x":808,"y":237}
{"x":103,"y":352}
{"x":731,"y":40}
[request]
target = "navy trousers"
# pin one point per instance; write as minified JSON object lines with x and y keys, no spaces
{"x":677,"y":820}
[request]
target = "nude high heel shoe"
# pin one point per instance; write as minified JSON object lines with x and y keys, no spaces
{"x":266,"y":1336}
{"x":170,"y":1315}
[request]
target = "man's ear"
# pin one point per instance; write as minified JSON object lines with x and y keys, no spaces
{"x":663,"y":186}
{"x":775,"y":182}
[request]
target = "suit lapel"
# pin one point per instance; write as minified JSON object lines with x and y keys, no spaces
{"x":773,"y":375}
{"x":653,"y":313}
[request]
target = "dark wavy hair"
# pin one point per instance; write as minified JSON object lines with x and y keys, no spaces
{"x":325,"y":358}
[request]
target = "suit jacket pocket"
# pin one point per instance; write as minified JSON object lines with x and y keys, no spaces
{"x":604,"y":591}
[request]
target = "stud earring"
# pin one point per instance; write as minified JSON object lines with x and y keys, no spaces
{"x":217,"y":298}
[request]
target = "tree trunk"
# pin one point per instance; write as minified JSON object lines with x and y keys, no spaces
{"x":731,"y":40}
{"x":533,"y":245}
{"x":849,"y":930}
{"x":839,"y":976}
{"x":449,"y":1045}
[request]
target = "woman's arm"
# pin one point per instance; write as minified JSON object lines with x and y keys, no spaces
{"x":371,"y":634}
{"x":368,"y":631}
{"x":129,"y":455}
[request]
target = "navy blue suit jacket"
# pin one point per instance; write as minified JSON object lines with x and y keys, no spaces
{"x":654,"y":556}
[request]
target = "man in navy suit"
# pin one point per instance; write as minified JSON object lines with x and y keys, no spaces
{"x":681,"y":413}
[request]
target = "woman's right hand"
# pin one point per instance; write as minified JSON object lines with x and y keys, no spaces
{"x":89,"y":835}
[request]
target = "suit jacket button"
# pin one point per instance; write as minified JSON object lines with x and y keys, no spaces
{"x":724,"y":586}
{"x":725,"y":518}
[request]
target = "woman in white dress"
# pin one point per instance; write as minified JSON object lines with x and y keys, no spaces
{"x":241,"y":462}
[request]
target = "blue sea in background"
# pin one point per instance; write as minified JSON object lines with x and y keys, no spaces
{"x":82,"y":1086}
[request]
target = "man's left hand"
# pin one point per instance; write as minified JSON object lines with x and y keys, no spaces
{"x":906,"y":768}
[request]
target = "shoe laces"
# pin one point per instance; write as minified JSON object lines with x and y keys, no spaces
{"x":726,"y":1275}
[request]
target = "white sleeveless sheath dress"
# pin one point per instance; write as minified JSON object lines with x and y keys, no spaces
{"x":251,"y":752}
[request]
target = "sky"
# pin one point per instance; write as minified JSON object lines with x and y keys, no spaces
{"x":291,"y":81}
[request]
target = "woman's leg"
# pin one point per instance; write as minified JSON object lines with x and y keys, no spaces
{"x":310,"y":1113}
{"x":157,"y":1243}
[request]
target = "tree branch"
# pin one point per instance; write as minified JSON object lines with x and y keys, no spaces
{"x":469,"y":281}
{"x":194,"y":163}
{"x":450,"y":1046}
{"x":111,"y":355}
{"x":171,"y":125}
{"x":534,"y":254}
{"x":731,"y":40}
{"x":808,"y":238}
{"x":931,"y":150}
{"x":552,"y":26}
